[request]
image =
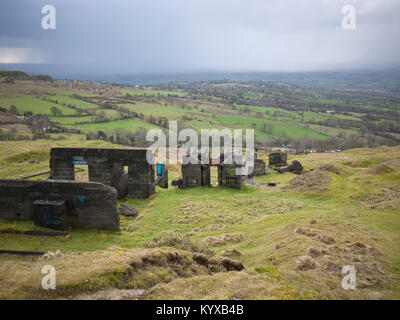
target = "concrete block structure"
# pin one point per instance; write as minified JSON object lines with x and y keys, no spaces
{"x":86,"y":205}
{"x":196,"y":175}
{"x":162,"y":175}
{"x":50,"y":214}
{"x":199,"y":175}
{"x":107,"y":166}
{"x":228,"y":177}
{"x":278,"y":159}
{"x":259,"y":168}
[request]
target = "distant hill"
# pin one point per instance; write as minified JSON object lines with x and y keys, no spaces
{"x":19,"y":75}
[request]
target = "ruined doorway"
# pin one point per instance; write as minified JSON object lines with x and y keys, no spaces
{"x":119,"y":179}
{"x":213,"y":176}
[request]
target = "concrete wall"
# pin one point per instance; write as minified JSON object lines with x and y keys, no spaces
{"x":89,"y":205}
{"x":259,"y":167}
{"x":227,"y":176}
{"x":194,"y":175}
{"x":278,"y":159}
{"x":107,"y":166}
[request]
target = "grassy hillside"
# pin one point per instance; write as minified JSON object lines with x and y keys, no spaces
{"x":344,"y":210}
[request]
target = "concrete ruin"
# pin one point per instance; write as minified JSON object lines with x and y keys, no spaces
{"x":259,"y":167}
{"x":107,"y":166}
{"x":278,"y":159}
{"x":228,"y":177}
{"x":60,"y":204}
{"x":295,"y":168}
{"x":162,"y":175}
{"x":199,"y":175}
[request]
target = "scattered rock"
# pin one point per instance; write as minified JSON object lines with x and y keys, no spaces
{"x":51,"y":255}
{"x":114,"y":295}
{"x":304,"y":263}
{"x":237,"y":298}
{"x":127,"y":211}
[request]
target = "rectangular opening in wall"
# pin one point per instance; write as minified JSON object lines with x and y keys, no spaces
{"x":214,"y":176}
{"x":81,"y":173}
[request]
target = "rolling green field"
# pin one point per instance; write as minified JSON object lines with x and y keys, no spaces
{"x":128,"y":124}
{"x":35,"y":105}
{"x":152,"y":92}
{"x":197,"y":107}
{"x":280,"y":129}
{"x":66,"y":100}
{"x":71,"y":120}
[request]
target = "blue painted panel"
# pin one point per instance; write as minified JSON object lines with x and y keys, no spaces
{"x":78,"y":161}
{"x":159,"y":169}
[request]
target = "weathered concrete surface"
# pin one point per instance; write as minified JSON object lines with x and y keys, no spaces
{"x":89,"y":205}
{"x":50,"y":214}
{"x":194,"y":175}
{"x":295,"y":167}
{"x":162,"y":175}
{"x":259,"y":168}
{"x":227,"y":176}
{"x":278,"y":159}
{"x":107,"y":166}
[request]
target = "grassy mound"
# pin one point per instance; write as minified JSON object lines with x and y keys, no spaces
{"x":79,"y":273}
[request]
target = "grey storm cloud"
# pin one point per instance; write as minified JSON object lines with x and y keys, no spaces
{"x":207,"y":35}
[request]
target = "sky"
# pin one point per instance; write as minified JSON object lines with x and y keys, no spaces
{"x":175,"y":36}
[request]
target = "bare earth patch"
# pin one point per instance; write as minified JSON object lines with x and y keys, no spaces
{"x":318,"y":254}
{"x":387,"y":198}
{"x":316,"y":181}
